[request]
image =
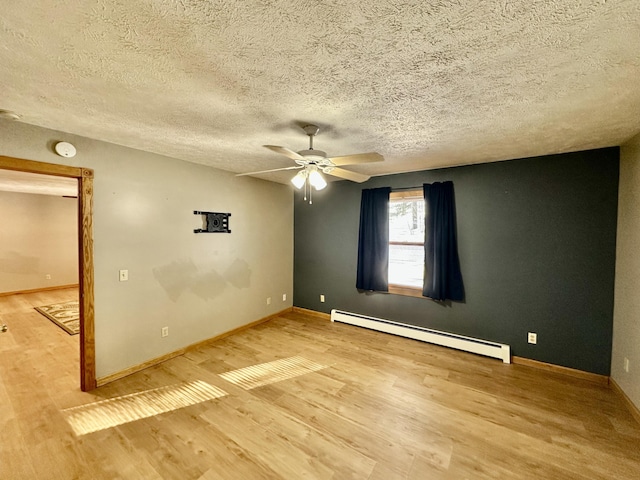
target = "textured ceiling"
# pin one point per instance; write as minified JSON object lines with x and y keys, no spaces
{"x":426,"y":84}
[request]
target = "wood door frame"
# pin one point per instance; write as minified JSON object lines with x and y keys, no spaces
{"x":85,"y":254}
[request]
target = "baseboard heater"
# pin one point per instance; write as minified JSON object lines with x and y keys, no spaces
{"x":451,"y":340}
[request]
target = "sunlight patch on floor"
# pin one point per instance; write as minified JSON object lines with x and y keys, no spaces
{"x":271,"y":372}
{"x":129,"y":408}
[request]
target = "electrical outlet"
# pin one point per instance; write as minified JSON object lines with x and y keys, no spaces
{"x":47,"y":277}
{"x":322,"y":298}
{"x":626,"y":365}
{"x":532,"y":338}
{"x":124,"y":275}
{"x":268,"y":300}
{"x":284,"y":297}
{"x":165,"y":331}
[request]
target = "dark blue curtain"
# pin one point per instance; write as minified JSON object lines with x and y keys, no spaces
{"x":442,"y":277}
{"x":373,"y":242}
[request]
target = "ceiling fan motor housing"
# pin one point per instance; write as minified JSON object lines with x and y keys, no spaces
{"x":314,"y":156}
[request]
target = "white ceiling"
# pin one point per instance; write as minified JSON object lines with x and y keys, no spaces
{"x":426,"y":84}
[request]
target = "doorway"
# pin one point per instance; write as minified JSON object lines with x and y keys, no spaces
{"x":84,"y":176}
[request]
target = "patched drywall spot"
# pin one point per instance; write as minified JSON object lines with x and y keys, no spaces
{"x":208,"y":285}
{"x":18,"y":264}
{"x":238,"y":274}
{"x":184,"y":276}
{"x":176,"y":277}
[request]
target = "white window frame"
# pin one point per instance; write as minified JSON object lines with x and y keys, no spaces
{"x":413,"y":194}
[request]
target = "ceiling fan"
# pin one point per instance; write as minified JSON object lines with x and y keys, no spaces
{"x":311,"y":162}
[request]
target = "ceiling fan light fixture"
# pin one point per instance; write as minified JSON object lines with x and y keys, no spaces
{"x":299,"y":179}
{"x":316,"y":179}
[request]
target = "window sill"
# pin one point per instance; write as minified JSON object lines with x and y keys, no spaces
{"x":406,"y":291}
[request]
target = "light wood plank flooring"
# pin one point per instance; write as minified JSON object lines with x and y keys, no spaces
{"x":383,"y":408}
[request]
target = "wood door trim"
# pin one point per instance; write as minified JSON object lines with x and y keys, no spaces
{"x":31,"y":166}
{"x":85,"y":263}
{"x":85,"y":254}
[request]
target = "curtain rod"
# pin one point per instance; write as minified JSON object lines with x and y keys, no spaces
{"x":418,"y":187}
{"x":394,"y":189}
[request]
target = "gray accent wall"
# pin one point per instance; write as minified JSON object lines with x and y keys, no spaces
{"x":198,"y":285}
{"x":537,"y":245}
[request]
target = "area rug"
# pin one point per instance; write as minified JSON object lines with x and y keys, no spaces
{"x":65,"y":315}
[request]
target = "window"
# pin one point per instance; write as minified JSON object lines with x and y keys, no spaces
{"x":391,"y":225}
{"x":406,"y":242}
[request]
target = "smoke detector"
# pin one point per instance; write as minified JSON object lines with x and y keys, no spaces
{"x":65,"y":149}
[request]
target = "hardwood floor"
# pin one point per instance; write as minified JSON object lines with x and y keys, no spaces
{"x":377,"y":407}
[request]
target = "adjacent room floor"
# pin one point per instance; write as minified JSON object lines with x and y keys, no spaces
{"x":300,"y":397}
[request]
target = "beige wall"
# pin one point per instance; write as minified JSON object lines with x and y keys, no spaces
{"x":199,"y":285}
{"x":38,"y":237}
{"x":626,"y":317}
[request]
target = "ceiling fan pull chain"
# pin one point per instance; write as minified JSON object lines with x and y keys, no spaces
{"x":305,"y":189}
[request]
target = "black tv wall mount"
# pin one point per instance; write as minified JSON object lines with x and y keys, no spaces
{"x":214,"y":222}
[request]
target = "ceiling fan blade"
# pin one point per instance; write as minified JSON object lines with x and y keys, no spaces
{"x":357,"y":158}
{"x":348,"y":175}
{"x":284,"y":151}
{"x":267,"y":171}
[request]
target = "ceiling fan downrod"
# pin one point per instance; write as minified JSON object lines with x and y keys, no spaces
{"x":311,"y":131}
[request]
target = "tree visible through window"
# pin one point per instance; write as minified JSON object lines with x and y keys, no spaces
{"x":406,"y":241}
